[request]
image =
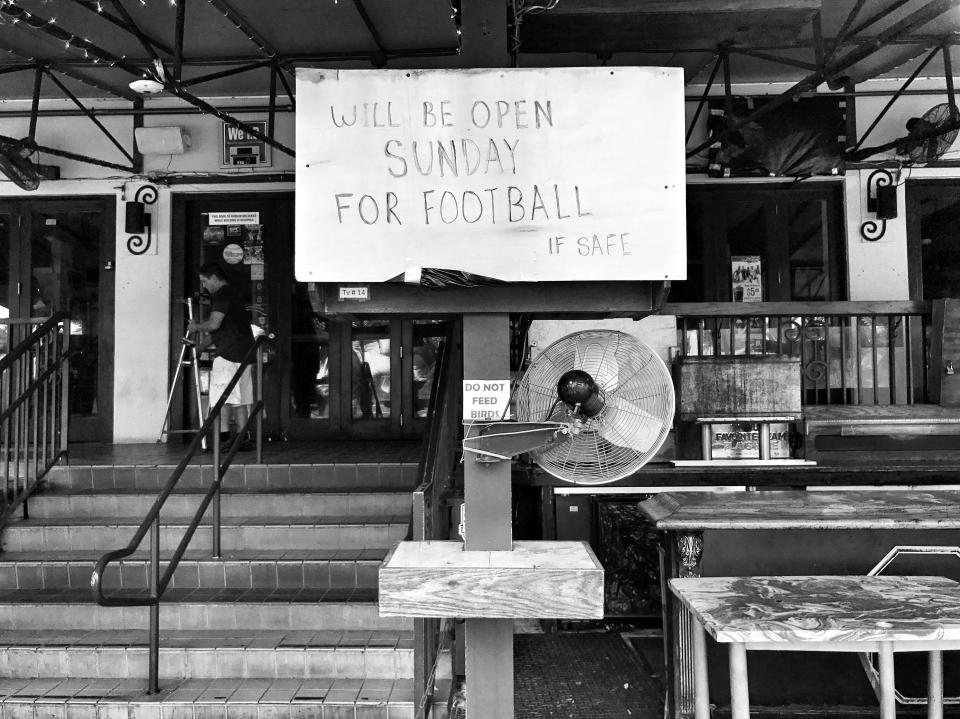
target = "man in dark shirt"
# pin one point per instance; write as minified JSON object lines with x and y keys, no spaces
{"x":229,"y":328}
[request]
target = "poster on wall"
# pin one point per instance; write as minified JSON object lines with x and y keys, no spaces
{"x":520,"y":174}
{"x":747,"y":278}
{"x":241,"y":149}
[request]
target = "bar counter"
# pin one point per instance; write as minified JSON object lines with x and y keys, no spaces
{"x":795,"y":532}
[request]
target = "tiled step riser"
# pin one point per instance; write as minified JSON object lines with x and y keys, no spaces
{"x":326,"y":698}
{"x":232,"y":538}
{"x":202,"y":616}
{"x":220,"y":663}
{"x":251,"y":709}
{"x":288,"y":505}
{"x":340,"y":574}
{"x":312,"y":477}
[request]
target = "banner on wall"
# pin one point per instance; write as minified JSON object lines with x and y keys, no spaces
{"x":514,"y":174}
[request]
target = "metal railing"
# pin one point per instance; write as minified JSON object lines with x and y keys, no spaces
{"x":34,"y":405}
{"x":151,"y":522}
{"x":437,"y":462}
{"x":860,"y":353}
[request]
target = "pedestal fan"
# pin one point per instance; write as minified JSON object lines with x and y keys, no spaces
{"x":592,"y":408}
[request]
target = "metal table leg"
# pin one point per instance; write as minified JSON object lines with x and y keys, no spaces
{"x":701,"y":686}
{"x":739,"y":687}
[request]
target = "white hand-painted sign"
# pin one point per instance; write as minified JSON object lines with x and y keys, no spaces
{"x":517,"y":174}
{"x":486,"y":400}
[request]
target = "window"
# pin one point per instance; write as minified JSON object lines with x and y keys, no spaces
{"x":795,"y":234}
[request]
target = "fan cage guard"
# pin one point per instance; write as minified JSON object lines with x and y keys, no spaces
{"x":933,"y":148}
{"x":632,"y":378}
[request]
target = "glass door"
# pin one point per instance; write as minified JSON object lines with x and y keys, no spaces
{"x":361,"y":377}
{"x":57,"y":255}
{"x":250,"y":236}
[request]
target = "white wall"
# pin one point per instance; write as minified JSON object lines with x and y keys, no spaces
{"x":657,"y":331}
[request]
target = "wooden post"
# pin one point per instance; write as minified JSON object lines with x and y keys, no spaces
{"x":487,"y":526}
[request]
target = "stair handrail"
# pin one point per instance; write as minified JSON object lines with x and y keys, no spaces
{"x":151,"y":522}
{"x":437,"y":460}
{"x":34,"y":413}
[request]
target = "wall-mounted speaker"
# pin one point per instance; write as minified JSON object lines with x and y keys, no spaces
{"x":161,"y":140}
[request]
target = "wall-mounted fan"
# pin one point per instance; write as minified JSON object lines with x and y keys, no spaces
{"x":594,"y":406}
{"x":15,"y":163}
{"x":929,"y":139}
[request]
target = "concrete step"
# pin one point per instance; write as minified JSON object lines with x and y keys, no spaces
{"x":393,"y":476}
{"x":266,"y":533}
{"x":234,"y":503}
{"x":116,"y":698}
{"x":333,"y":569}
{"x":200,"y":609}
{"x":207,"y":654}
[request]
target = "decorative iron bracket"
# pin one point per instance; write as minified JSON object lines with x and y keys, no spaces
{"x":873,"y":230}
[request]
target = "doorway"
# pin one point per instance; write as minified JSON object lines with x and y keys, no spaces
{"x":933,"y":226}
{"x":58,"y":255}
{"x":361,"y":378}
{"x":326,"y":377}
{"x":773,"y":244}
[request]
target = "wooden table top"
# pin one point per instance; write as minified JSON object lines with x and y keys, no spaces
{"x":823,"y":608}
{"x":840,"y":414}
{"x":798,"y":509}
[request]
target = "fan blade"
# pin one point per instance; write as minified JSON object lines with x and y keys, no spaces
{"x":626,"y":424}
{"x":597,"y":360}
{"x":17,"y":166}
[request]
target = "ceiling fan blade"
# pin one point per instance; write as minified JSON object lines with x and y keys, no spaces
{"x":626,"y":424}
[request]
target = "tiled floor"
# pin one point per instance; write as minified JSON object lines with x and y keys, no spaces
{"x":582,"y":675}
{"x":320,"y":452}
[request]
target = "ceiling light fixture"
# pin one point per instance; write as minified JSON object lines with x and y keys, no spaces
{"x":146,"y":86}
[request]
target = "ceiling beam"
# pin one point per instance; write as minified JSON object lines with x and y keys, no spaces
{"x":132,"y":28}
{"x":880,"y":115}
{"x":178,"y":31}
{"x":245,"y":27}
{"x":68,"y":71}
{"x":379,"y":59}
{"x":206,"y":107}
{"x":96,"y":8}
{"x":927,"y":13}
{"x":681,"y":7}
{"x":199,"y":79}
{"x":70,"y":155}
{"x":11,"y":10}
{"x":90,"y":115}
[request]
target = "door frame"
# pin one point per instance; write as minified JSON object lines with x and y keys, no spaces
{"x":99,"y":428}
{"x":914,"y":220}
{"x":278,"y":307}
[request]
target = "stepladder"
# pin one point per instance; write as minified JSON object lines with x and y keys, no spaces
{"x":187,"y":367}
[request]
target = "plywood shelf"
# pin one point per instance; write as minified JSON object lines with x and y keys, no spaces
{"x":534,"y":580}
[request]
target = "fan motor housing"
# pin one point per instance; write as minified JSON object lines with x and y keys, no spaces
{"x":577,"y":388}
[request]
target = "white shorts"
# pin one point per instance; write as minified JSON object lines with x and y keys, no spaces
{"x":220,"y":375}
